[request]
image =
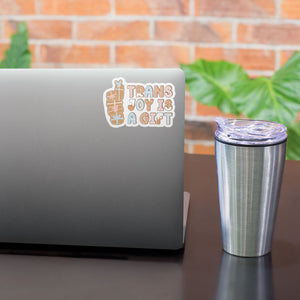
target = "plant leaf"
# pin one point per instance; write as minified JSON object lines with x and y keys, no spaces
{"x":293,"y":142}
{"x":18,"y":54}
{"x":209,"y":82}
{"x":274,"y":99}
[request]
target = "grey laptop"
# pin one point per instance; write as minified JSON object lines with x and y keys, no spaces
{"x":92,"y":157}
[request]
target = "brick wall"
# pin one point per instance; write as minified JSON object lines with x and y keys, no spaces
{"x":258,"y":34}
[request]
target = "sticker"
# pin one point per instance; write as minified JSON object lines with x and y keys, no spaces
{"x":138,"y":104}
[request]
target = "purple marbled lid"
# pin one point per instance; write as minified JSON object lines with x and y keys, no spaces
{"x":249,"y":132}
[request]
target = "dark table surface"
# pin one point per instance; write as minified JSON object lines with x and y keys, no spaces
{"x":203,"y":271}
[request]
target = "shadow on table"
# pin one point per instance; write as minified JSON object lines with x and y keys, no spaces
{"x":93,"y":252}
{"x":245,"y":278}
{"x":116,"y":273}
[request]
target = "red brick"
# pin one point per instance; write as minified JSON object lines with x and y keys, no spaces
{"x":290,"y":9}
{"x":202,"y":149}
{"x":236,"y":8}
{"x":210,"y":53}
{"x":152,"y":7}
{"x":250,"y":59}
{"x":213,"y":111}
{"x":152,"y":56}
{"x":188,"y":103}
{"x":285,"y":55}
{"x":17,"y":7}
{"x":5,"y":46}
{"x":269,"y":34}
{"x":223,"y":30}
{"x":194,"y":130}
{"x":74,"y":7}
{"x":41,"y":29}
{"x":193,"y":31}
{"x":186,"y":148}
{"x":109,"y":30}
{"x":75,"y":54}
{"x":32,"y":51}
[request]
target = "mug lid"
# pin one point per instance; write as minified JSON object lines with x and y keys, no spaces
{"x":249,"y":132}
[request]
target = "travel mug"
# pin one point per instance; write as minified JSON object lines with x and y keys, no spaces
{"x":250,"y":157}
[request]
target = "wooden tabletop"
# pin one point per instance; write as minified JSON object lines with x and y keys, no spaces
{"x":202,"y":271}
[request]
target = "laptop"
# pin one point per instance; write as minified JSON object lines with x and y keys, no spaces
{"x":92,"y":157}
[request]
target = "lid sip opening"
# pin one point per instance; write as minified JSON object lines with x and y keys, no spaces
{"x":250,"y":132}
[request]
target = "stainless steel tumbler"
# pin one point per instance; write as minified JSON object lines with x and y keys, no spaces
{"x":250,"y":158}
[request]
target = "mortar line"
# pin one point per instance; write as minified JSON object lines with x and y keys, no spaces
{"x":202,"y":19}
{"x":277,"y":59}
{"x":200,"y":118}
{"x":189,"y":117}
{"x":152,"y":29}
{"x":190,"y":147}
{"x":112,"y":53}
{"x":192,"y":8}
{"x":278,"y":9}
{"x":2,"y":30}
{"x":260,"y":73}
{"x":112,"y":8}
{"x":74,"y":30}
{"x":37,"y":7}
{"x":37,"y":54}
{"x":234,"y":32}
{"x":192,"y":53}
{"x":166,"y":43}
{"x":72,"y":65}
{"x":193,"y":108}
{"x":203,"y":142}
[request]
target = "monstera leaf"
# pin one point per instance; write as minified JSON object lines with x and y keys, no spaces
{"x":18,"y":54}
{"x":293,"y":142}
{"x":210,"y":82}
{"x":275,"y":99}
{"x":227,"y":86}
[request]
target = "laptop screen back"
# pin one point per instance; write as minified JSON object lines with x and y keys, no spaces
{"x":92,"y":157}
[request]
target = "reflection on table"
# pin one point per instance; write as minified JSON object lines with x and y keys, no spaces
{"x":245,"y":278}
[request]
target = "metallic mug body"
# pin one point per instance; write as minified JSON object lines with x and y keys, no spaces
{"x":249,"y":180}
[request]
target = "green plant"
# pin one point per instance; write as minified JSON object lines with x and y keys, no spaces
{"x":18,"y":54}
{"x":227,"y":86}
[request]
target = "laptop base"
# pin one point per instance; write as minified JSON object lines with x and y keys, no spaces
{"x":96,"y":252}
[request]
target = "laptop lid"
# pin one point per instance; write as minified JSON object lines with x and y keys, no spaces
{"x":92,"y":157}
